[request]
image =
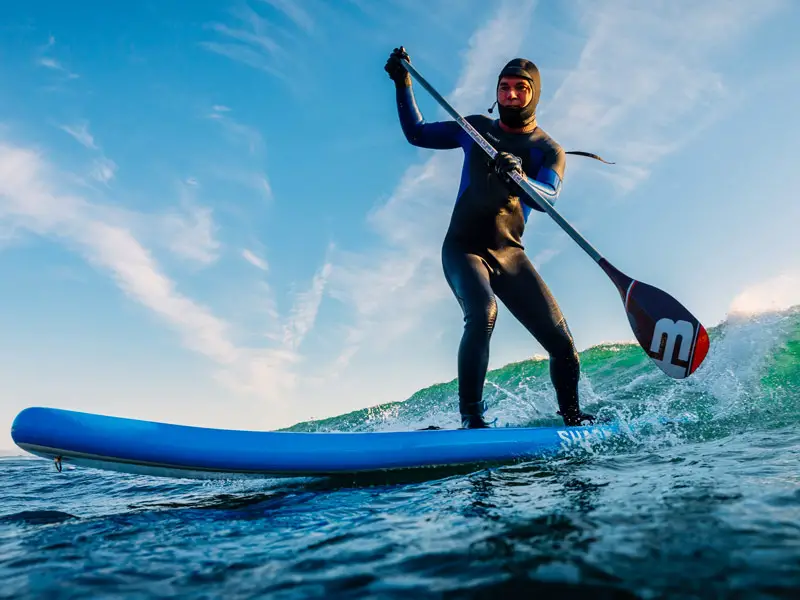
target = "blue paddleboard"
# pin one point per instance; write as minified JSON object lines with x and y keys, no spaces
{"x":182,"y":451}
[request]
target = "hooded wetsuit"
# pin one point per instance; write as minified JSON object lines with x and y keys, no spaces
{"x":483,"y":255}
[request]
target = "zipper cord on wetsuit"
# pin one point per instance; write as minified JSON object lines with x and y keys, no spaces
{"x":590,"y":155}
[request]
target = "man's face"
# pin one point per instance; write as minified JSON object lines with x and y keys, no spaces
{"x":514,"y":91}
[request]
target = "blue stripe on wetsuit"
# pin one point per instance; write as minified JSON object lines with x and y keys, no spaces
{"x":547,"y":177}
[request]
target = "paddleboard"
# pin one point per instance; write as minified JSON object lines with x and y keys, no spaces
{"x":183,"y":451}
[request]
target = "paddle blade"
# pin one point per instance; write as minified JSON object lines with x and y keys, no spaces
{"x":670,"y":335}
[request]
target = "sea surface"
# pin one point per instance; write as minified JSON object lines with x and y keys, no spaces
{"x":707,"y":509}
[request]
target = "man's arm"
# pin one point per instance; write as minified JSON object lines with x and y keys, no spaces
{"x":547,"y":186}
{"x":547,"y":183}
{"x":440,"y":135}
{"x":443,"y":135}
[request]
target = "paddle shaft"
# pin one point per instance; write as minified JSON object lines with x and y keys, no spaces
{"x":519,"y":179}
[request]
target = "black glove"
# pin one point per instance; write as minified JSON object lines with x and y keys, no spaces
{"x":396,"y":71}
{"x":504,"y":164}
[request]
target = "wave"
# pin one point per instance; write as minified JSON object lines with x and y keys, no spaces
{"x":750,"y":379}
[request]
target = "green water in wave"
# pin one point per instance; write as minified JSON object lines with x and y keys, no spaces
{"x":750,"y":379}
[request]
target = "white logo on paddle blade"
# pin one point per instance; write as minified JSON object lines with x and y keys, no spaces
{"x":672,"y":330}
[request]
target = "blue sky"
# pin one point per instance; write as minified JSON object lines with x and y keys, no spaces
{"x":209,"y":214}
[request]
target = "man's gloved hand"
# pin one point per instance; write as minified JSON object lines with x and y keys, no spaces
{"x":396,"y":71}
{"x":504,"y":164}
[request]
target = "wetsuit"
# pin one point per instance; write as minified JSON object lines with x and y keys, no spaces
{"x":483,"y":255}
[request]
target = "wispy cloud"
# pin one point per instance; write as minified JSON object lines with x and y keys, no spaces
{"x":139,"y":276}
{"x":305,"y":308}
{"x":260,"y":40}
{"x":294,"y":11}
{"x":186,"y":228}
{"x":235,"y":130}
{"x":249,"y":42}
{"x":103,"y":169}
{"x":245,"y":171}
{"x":254,"y":260}
{"x":30,"y":199}
{"x":644,"y":84}
{"x":254,"y":180}
{"x":80,"y":131}
{"x":239,"y":134}
{"x":51,"y":63}
{"x":190,"y":234}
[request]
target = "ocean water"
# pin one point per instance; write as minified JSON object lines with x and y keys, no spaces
{"x":708,"y":509}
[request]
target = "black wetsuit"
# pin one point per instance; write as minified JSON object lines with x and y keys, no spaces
{"x":483,"y":255}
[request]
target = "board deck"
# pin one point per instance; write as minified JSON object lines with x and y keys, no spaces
{"x":185,"y":451}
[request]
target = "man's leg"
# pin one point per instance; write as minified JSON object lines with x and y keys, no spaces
{"x":468,"y":277}
{"x":528,"y":298}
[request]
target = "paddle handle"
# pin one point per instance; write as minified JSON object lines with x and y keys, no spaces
{"x":519,"y":179}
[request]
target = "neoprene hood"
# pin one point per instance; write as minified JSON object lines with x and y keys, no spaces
{"x":520,"y":116}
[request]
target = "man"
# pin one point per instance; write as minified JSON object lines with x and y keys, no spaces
{"x":482,"y":252}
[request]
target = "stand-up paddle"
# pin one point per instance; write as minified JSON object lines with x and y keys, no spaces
{"x":669,"y":334}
